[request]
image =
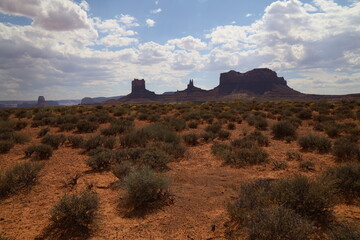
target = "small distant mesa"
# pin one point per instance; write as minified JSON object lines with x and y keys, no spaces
{"x":41,"y":102}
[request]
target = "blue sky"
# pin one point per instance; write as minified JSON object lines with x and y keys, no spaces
{"x":65,"y":49}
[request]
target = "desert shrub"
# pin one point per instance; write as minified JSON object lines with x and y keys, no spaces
{"x":191,"y":139}
{"x":307,"y":165}
{"x":213,"y":128}
{"x":100,"y":161}
{"x":20,"y":176}
{"x":294,"y":156}
{"x":313,"y":142}
{"x":75,"y":211}
{"x":278,"y":223}
{"x":118,"y":126}
{"x":222,"y":134}
{"x":54,"y":140}
{"x":280,"y":165}
{"x":99,"y":141}
{"x":193,"y":124}
{"x":76,"y":141}
{"x":20,"y":138}
{"x":122,"y":169}
{"x":133,"y":139}
{"x":6,"y":145}
{"x":283,"y":129}
{"x":231,"y":126}
{"x":145,"y":189}
{"x":43,"y":132}
{"x":86,"y":126}
{"x":259,"y":138}
{"x":344,"y":231}
{"x":304,"y":114}
{"x":346,"y":181}
{"x":67,"y":127}
{"x":155,"y":159}
{"x":311,"y":199}
{"x":42,"y":151}
{"x":332,"y":130}
{"x":261,"y":123}
{"x":173,"y":149}
{"x":159,"y":132}
{"x":240,"y":153}
{"x":345,"y":150}
{"x":178,"y":124}
{"x":20,"y":125}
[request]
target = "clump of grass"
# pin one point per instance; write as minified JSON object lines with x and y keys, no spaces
{"x":42,"y":151}
{"x":76,"y":141}
{"x":43,"y":132}
{"x":283,"y":129}
{"x":5,"y":146}
{"x":346,"y":181}
{"x":118,"y":126}
{"x":307,"y":165}
{"x":346,"y":150}
{"x":146,"y":189}
{"x":240,"y":153}
{"x":313,"y":142}
{"x":100,"y":161}
{"x":191,"y":139}
{"x":294,"y":156}
{"x":84,"y":126}
{"x":75,"y":211}
{"x":54,"y":140}
{"x":20,"y":176}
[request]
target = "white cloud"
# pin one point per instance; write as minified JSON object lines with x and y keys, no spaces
{"x":57,"y":15}
{"x":150,"y":22}
{"x":248,"y":15}
{"x":155,"y":11}
{"x":188,"y":43}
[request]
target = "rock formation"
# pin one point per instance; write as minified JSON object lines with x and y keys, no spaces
{"x":41,"y":101}
{"x":257,"y":81}
{"x":138,"y":91}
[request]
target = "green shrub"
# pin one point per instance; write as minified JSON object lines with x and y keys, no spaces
{"x":134,"y":139}
{"x":259,"y":138}
{"x":193,"y":124}
{"x":307,"y":165}
{"x":345,"y":180}
{"x":122,"y":169}
{"x":118,"y":126}
{"x":178,"y":124}
{"x":175,"y":150}
{"x":283,"y":129}
{"x":191,"y":139}
{"x":42,"y":151}
{"x":43,"y":132}
{"x":146,"y":189}
{"x":76,"y":141}
{"x":99,"y":141}
{"x":86,"y":126}
{"x":54,"y":140}
{"x":213,"y":128}
{"x":20,"y":176}
{"x":231,"y":126}
{"x":75,"y":211}
{"x":6,"y":145}
{"x":304,"y":114}
{"x":100,"y":161}
{"x":345,"y":150}
{"x":278,"y":223}
{"x":247,"y":156}
{"x":155,"y":159}
{"x":311,"y":199}
{"x":313,"y":142}
{"x":222,"y":134}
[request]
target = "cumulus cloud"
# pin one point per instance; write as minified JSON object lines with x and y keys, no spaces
{"x":56,"y":15}
{"x":188,"y":43}
{"x":150,"y":22}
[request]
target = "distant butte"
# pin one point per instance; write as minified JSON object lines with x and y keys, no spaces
{"x":257,"y":84}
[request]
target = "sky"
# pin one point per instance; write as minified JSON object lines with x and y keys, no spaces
{"x":70,"y":49}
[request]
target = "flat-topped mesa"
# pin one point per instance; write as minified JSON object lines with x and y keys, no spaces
{"x":138,"y":90}
{"x":257,"y":81}
{"x":41,"y":101}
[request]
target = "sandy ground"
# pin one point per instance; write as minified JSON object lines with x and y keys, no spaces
{"x":200,"y":183}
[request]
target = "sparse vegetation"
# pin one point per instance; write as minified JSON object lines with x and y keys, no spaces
{"x":283,"y":129}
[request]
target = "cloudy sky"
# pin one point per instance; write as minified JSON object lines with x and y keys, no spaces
{"x":70,"y":49}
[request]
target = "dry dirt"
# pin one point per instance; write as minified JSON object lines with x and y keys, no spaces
{"x":201,"y":185}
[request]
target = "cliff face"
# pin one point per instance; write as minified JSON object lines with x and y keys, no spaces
{"x":138,"y":90}
{"x":257,"y":81}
